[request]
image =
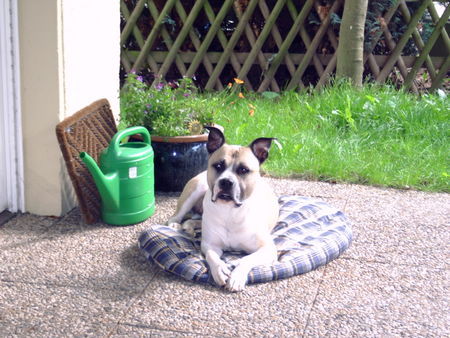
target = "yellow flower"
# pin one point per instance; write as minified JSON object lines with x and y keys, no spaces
{"x":230,"y":85}
{"x":251,"y":106}
{"x":241,"y":96}
{"x":195,"y":127}
{"x":238,"y":81}
{"x":251,"y":112}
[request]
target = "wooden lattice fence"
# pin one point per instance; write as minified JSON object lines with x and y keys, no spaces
{"x":281,"y":44}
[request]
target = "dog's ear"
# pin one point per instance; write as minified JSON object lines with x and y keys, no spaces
{"x":260,"y":148}
{"x":216,"y":139}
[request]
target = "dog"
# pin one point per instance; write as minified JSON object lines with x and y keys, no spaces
{"x":239,"y":209}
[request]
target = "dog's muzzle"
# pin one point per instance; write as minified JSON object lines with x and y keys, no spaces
{"x":227,"y":190}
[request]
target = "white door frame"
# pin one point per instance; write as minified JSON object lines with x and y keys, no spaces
{"x":10,"y":109}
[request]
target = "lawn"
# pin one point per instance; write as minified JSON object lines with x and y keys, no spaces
{"x":377,"y":135}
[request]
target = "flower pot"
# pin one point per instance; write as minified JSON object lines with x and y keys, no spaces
{"x":177,"y":160}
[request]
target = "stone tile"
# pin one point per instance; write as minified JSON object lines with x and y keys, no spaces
{"x":6,"y":216}
{"x":401,"y":227}
{"x":24,"y":229}
{"x":61,"y":277}
{"x":68,"y":252}
{"x":144,"y":331}
{"x":389,"y":225}
{"x":380,"y":300}
{"x":38,"y":310}
{"x":108,"y":257}
{"x":171,"y":304}
{"x":48,"y":262}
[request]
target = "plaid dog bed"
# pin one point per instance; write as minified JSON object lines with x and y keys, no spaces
{"x":309,"y":234}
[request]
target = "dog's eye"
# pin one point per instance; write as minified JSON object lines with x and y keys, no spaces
{"x":241,"y":170}
{"x":219,"y":166}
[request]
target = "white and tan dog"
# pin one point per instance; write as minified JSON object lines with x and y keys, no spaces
{"x":239,"y":208}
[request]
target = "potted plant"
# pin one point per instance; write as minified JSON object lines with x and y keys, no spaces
{"x":176,"y":125}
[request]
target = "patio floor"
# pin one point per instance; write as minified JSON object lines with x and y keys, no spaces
{"x":61,"y":277}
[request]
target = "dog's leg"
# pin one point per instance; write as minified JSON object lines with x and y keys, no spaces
{"x":183,"y":209}
{"x":219,"y":269}
{"x":194,"y":191}
{"x":265,"y":255}
{"x":191,"y":226}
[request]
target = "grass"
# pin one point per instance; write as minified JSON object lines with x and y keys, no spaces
{"x":376,"y":136}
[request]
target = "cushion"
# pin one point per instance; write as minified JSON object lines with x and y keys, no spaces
{"x":309,"y":234}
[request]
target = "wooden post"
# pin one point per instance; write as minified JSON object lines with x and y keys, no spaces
{"x":446,"y":65}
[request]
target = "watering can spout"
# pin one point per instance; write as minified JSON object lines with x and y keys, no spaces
{"x":107,"y":185}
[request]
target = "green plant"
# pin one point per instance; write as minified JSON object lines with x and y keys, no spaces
{"x":165,"y":109}
{"x":376,"y":135}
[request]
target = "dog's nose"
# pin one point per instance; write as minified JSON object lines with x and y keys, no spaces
{"x":225,"y":184}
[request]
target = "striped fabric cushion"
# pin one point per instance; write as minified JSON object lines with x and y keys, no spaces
{"x":309,"y":234}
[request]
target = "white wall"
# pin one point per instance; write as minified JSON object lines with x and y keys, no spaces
{"x":91,"y":33}
{"x":70,"y":56}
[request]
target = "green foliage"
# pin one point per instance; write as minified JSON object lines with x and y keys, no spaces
{"x":270,"y":95}
{"x":166,"y":109}
{"x":375,"y":135}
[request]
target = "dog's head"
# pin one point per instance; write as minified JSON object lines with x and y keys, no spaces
{"x":233,"y":171}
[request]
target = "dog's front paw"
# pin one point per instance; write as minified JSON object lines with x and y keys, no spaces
{"x":191,"y":226}
{"x":238,"y":279}
{"x":221,"y":273}
{"x":174,"y":222}
{"x":174,"y":225}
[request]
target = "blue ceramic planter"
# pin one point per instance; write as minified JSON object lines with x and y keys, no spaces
{"x":177,"y":162}
{"x":177,"y":159}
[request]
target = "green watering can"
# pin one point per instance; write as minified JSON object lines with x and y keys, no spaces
{"x":125,"y":179}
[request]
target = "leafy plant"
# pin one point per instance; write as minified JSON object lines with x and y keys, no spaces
{"x":375,"y":135}
{"x":165,"y":109}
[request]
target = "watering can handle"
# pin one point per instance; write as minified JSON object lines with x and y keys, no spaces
{"x":115,"y":142}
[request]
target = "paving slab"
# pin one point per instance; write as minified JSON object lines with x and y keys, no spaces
{"x":380,"y":300}
{"x":61,"y":277}
{"x":101,"y":255}
{"x":276,"y":308}
{"x":24,"y":229}
{"x":40,"y":310}
{"x":402,"y":227}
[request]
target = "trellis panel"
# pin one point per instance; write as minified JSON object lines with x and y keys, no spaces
{"x":276,"y":45}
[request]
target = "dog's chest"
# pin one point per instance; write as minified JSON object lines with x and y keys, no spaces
{"x":230,"y":229}
{"x":240,"y":240}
